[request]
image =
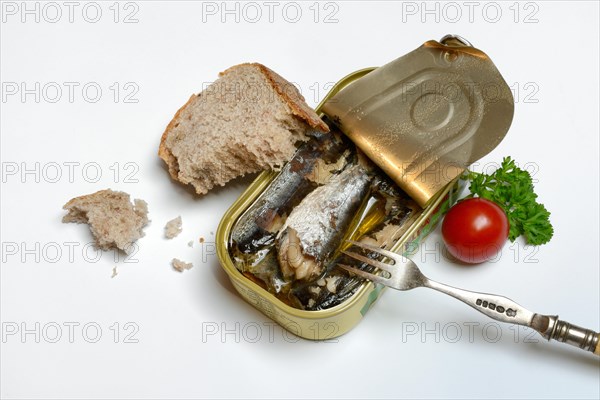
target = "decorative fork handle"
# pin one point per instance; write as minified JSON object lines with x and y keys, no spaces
{"x":504,"y":309}
{"x":550,"y":327}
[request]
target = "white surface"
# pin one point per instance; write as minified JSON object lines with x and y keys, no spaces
{"x":169,"y":54}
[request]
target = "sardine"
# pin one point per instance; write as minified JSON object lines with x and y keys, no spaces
{"x":313,"y":163}
{"x":314,"y":228}
{"x":384,"y":220}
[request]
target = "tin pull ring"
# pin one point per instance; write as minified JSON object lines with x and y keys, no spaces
{"x":455,"y":41}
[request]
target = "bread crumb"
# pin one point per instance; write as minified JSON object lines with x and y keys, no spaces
{"x":180,"y":266}
{"x":173,"y":228}
{"x":191,"y":243}
{"x":113,"y":220}
{"x":201,"y":240}
{"x":114,"y":272}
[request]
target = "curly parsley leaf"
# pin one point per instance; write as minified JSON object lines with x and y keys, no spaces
{"x":512,"y":189}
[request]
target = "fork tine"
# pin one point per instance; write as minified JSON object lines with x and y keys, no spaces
{"x":391,"y":255}
{"x":375,"y":263}
{"x":367,"y":275}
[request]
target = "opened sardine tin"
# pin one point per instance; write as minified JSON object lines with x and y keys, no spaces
{"x":424,"y":117}
{"x":422,"y":136}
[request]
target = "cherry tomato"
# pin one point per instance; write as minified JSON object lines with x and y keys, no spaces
{"x":474,"y":230}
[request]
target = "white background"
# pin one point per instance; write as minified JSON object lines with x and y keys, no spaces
{"x":409,"y":344}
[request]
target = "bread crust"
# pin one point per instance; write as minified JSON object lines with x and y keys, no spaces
{"x":163,"y":151}
{"x":290,"y":94}
{"x":286,"y":91}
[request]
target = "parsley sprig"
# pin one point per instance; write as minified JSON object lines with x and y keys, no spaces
{"x":512,"y":189}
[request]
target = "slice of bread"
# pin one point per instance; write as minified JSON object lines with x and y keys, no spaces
{"x":113,"y":220}
{"x":247,"y":121}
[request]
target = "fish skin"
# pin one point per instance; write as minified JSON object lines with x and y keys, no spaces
{"x":314,"y":228}
{"x":400,"y":210}
{"x":258,"y":226}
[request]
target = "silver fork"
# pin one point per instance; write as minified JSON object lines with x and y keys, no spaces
{"x":405,"y":275}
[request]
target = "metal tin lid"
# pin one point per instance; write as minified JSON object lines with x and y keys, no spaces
{"x":424,"y":117}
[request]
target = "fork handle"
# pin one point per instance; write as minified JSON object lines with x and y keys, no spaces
{"x":504,"y":309}
{"x":494,"y":306}
{"x":550,"y":327}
